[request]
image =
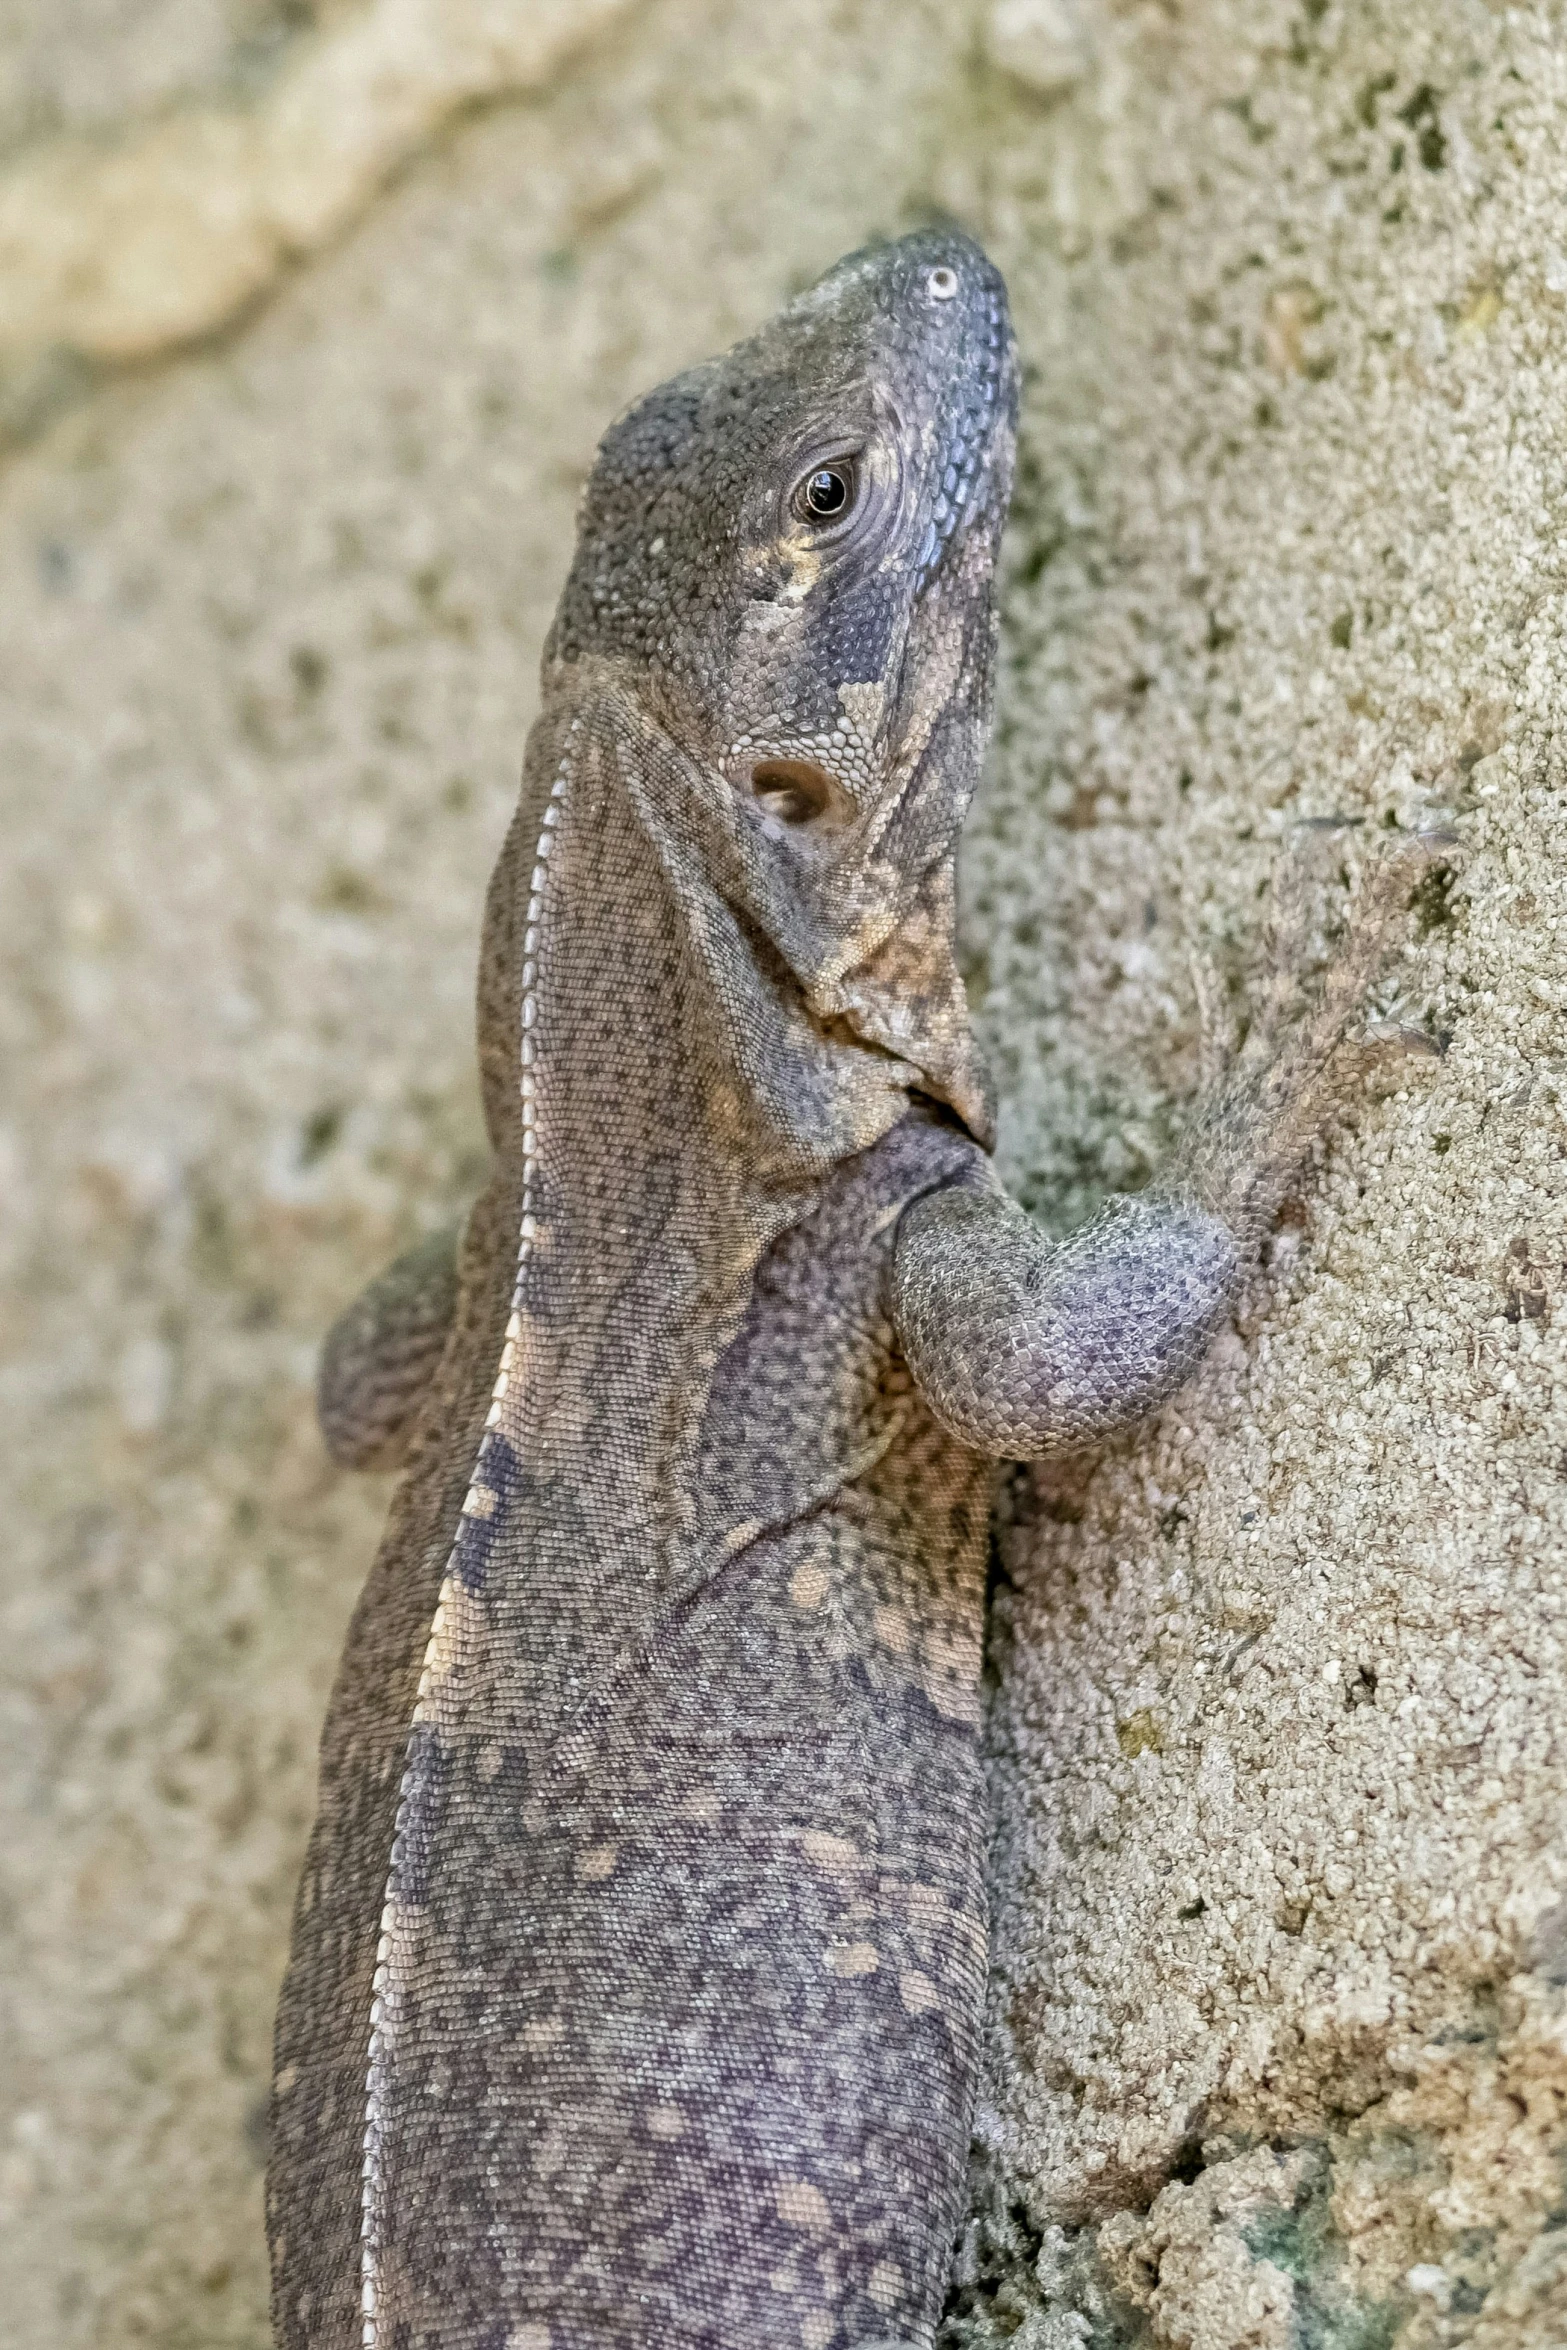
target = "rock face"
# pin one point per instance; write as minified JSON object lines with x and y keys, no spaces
{"x":1280,"y":1721}
{"x":124,"y":248}
{"x":1279,"y":2053}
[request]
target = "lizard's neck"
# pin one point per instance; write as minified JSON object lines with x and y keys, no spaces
{"x":667,"y":1106}
{"x":663,"y":1025}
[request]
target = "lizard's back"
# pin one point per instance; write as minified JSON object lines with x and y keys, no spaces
{"x":695,"y":1963}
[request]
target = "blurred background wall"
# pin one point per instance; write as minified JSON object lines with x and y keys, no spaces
{"x":310,"y":316}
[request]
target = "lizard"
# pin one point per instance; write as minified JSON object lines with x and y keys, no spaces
{"x":639,"y":1955}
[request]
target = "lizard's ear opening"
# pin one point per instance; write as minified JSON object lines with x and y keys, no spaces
{"x":797,"y":791}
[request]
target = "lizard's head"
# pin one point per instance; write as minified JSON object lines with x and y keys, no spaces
{"x":792,"y":547}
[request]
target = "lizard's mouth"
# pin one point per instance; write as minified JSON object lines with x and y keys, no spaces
{"x":798,"y":791}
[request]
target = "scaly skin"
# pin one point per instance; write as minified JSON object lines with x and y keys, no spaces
{"x":639,"y":1956}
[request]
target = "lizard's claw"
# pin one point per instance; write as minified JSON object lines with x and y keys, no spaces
{"x":1218,"y":1039}
{"x":1401,"y":1036}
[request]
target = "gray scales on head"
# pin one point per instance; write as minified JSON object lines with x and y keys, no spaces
{"x":639,"y":1955}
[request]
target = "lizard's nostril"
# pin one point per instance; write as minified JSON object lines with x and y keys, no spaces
{"x":793,"y":789}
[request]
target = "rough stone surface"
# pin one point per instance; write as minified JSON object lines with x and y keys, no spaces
{"x":115,"y":249}
{"x":1280,"y":1734}
{"x":1278,"y":2052}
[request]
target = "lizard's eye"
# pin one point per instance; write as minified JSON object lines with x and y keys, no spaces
{"x":826,"y":493}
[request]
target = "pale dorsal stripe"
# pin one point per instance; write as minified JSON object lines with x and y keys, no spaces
{"x":450,"y":1630}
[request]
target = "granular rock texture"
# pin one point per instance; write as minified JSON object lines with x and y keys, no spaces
{"x":1277,"y":2051}
{"x":1279,"y":1736}
{"x":117,"y":249}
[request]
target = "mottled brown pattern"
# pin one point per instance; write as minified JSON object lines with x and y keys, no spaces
{"x":640,"y":1949}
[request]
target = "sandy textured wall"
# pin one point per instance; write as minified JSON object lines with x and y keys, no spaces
{"x":1278,"y":2048}
{"x":1281,"y":1734}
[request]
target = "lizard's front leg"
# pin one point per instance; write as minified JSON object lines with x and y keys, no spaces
{"x":382,"y":1354}
{"x":1024,"y":1346}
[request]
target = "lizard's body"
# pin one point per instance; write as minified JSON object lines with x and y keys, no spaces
{"x":640,"y":1951}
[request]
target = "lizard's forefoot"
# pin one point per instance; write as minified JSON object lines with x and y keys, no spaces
{"x":1261,"y":1108}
